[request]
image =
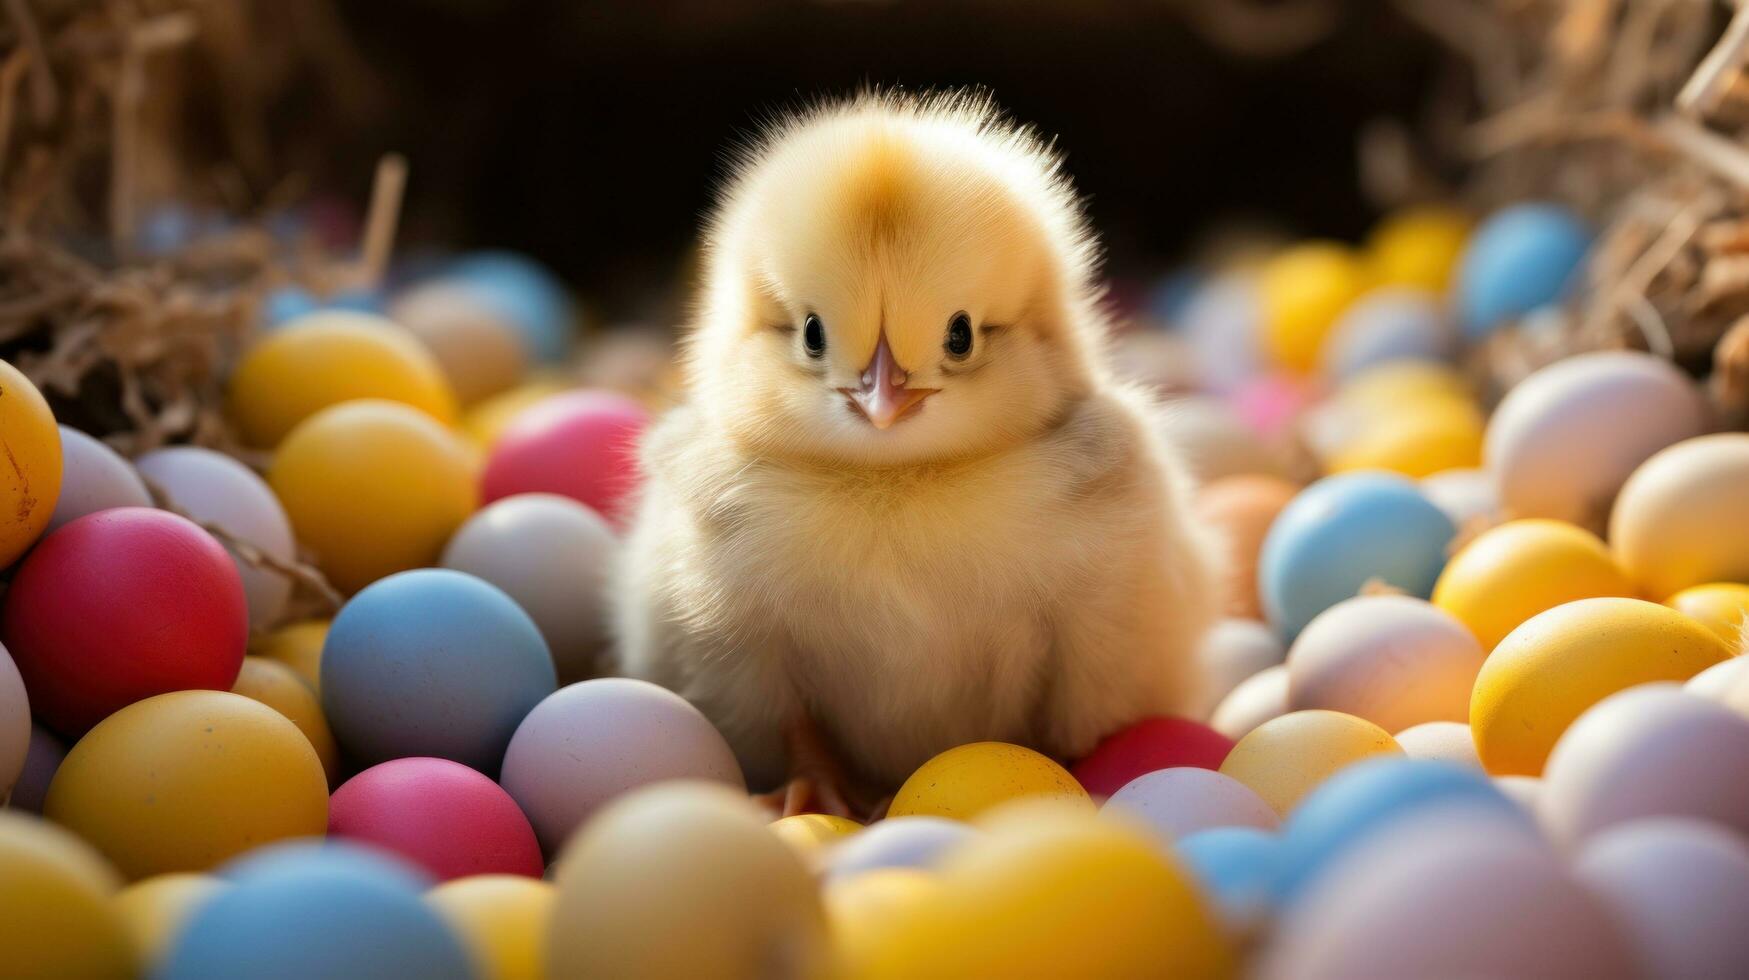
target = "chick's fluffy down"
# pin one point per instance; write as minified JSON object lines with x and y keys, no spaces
{"x":1011,"y":560}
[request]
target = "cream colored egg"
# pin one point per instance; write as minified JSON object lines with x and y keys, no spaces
{"x":1394,"y":660}
{"x":479,"y":351}
{"x":1683,"y":517}
{"x":1232,"y":651}
{"x":1448,"y":741}
{"x":1563,"y":441}
{"x":94,"y":477}
{"x":1257,"y":699}
{"x":1716,"y":682}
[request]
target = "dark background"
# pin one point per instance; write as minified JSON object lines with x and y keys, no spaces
{"x":591,"y":134}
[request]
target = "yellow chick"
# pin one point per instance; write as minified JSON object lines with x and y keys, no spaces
{"x":904,"y":505}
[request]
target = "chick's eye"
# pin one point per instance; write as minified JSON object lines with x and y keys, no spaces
{"x":959,"y":335}
{"x":813,"y":336}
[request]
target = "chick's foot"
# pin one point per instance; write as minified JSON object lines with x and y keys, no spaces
{"x":817,"y":782}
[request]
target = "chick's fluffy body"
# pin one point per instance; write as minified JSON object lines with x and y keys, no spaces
{"x":1013,"y":561}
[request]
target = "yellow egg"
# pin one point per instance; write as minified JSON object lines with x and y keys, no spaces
{"x":298,"y":646}
{"x":811,"y":833}
{"x":280,"y":688}
{"x":965,"y":781}
{"x":327,"y":358}
{"x":1394,"y":384}
{"x":374,"y":488}
{"x":1682,"y":518}
{"x":860,"y":911}
{"x":1304,"y":289}
{"x":1416,"y":441}
{"x":484,"y":422}
{"x":682,"y":879}
{"x":30,"y":479}
{"x":1545,"y":673}
{"x":1053,"y":897}
{"x":1509,"y":573}
{"x":1285,"y":758}
{"x":1418,"y":246}
{"x":1722,"y":607}
{"x":154,"y":909}
{"x":56,"y":914}
{"x":502,"y":920}
{"x":184,"y":781}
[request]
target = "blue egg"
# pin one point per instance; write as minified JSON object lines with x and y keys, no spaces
{"x":307,"y":910}
{"x":1522,"y":258}
{"x":1237,"y":865}
{"x":1391,"y":324}
{"x":525,"y":293}
{"x":1361,"y":799}
{"x":287,"y":303}
{"x":898,"y":842}
{"x":1341,"y":532}
{"x":305,"y":854}
{"x":1168,"y":296}
{"x":432,"y":662}
{"x":364,"y":300}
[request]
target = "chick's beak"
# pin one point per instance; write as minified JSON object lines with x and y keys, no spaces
{"x":883,"y":398}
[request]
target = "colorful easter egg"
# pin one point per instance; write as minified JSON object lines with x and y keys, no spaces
{"x":480,"y":351}
{"x":56,"y":914}
{"x":523,"y":292}
{"x":969,"y":780}
{"x":1521,"y":258}
{"x":1235,"y":866}
{"x":1175,"y":803}
{"x":1680,"y":891}
{"x":14,"y":724}
{"x":912,"y":843}
{"x":1683,"y":519}
{"x":1722,"y":607}
{"x":94,"y":477}
{"x":297,"y":645}
{"x":440,"y":815}
{"x":1285,"y":758}
{"x":1386,"y":325}
{"x":1147,"y":745}
{"x":1304,"y":289}
{"x":1509,"y":573}
{"x":156,"y":908}
{"x":280,"y":688}
{"x":31,"y":483}
{"x":1418,"y":246}
{"x":1441,"y":741}
{"x":1391,"y":659}
{"x":1257,"y":699}
{"x":581,"y":445}
{"x":502,"y":920}
{"x":1233,"y":651}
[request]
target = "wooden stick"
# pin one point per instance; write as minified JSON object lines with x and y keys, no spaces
{"x":385,"y":214}
{"x":1709,"y":81}
{"x":45,"y":97}
{"x":1704,"y":147}
{"x":145,"y":40}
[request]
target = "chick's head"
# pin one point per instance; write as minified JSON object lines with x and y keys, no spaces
{"x":895,"y":280}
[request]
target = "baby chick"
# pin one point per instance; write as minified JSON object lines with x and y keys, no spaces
{"x":904,"y":505}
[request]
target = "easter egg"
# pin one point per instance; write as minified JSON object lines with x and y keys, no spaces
{"x":1452,"y":891}
{"x":1213,"y":441}
{"x":522,"y":291}
{"x":373,"y":488}
{"x":581,"y":445}
{"x":1235,"y":866}
{"x":1683,"y":519}
{"x":1147,"y":745}
{"x":1397,"y":383}
{"x":297,"y":914}
{"x":121,"y":605}
{"x":56,"y":916}
{"x":1722,"y":607}
{"x":1418,"y":247}
{"x":1509,"y":573}
{"x":1416,"y":442}
{"x":968,"y":780}
{"x":217,"y":490}
{"x":485,"y":422}
{"x":297,"y":645}
{"x":41,"y":760}
{"x":440,"y":815}
{"x":1270,"y":404}
{"x":1545,"y":673}
{"x":1304,"y":289}
{"x":287,"y":304}
{"x":1719,"y":682}
{"x":156,"y":908}
{"x":331,"y":357}
{"x":1386,"y":325}
{"x":553,"y":556}
{"x":502,"y":920}
{"x":812,"y":834}
{"x":14,"y":724}
{"x":1232,"y":651}
{"x":1526,"y":791}
{"x":1441,"y":741}
{"x":1521,"y":258}
{"x":1390,"y":659}
{"x":1284,"y":758}
{"x":692,"y":853}
{"x":1343,"y":532}
{"x":1221,"y":322}
{"x":1242,"y":507}
{"x":1563,"y":440}
{"x":1650,"y":751}
{"x":279,"y":687}
{"x":480,"y":351}
{"x":860,"y":910}
{"x":184,"y":781}
{"x":592,"y":741}
{"x":1679,"y":889}
{"x":1352,"y":806}
{"x":1465,"y":495}
{"x":94,"y":477}
{"x":912,"y":843}
{"x":1175,"y":803}
{"x":1257,"y":699}
{"x":432,"y":662}
{"x":30,"y":486}
{"x":1057,"y":896}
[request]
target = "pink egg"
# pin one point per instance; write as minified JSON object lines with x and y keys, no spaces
{"x":1176,"y":803}
{"x":1448,"y":741}
{"x":441,"y":815}
{"x":1394,"y":660}
{"x":1680,"y":891}
{"x":1268,"y":404}
{"x":580,"y":444}
{"x":1148,"y":745}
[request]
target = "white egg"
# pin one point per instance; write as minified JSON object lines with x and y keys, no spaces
{"x":1176,"y":803}
{"x":1390,"y":324}
{"x":1715,"y":682}
{"x":1257,"y":699}
{"x":1679,"y":889}
{"x":1233,"y":650}
{"x":1649,"y":751}
{"x":480,"y":352}
{"x":1564,"y":440}
{"x":215,"y":489}
{"x":1221,"y":322}
{"x":1526,"y":791}
{"x":552,"y":555}
{"x":1214,"y":441}
{"x":94,"y":477}
{"x":14,"y":724}
{"x":1449,"y":741}
{"x":1394,"y":660}
{"x":1464,"y":495}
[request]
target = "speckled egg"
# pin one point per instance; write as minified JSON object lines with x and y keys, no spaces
{"x":1287,"y":757}
{"x":968,"y":780}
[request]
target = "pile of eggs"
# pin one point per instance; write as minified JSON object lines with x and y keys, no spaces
{"x":1475,"y":708}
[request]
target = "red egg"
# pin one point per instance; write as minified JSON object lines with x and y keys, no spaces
{"x":1148,"y":745}
{"x":581,"y":444}
{"x":441,"y":815}
{"x":121,"y":605}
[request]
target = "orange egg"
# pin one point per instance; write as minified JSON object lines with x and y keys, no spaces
{"x":1241,"y":508}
